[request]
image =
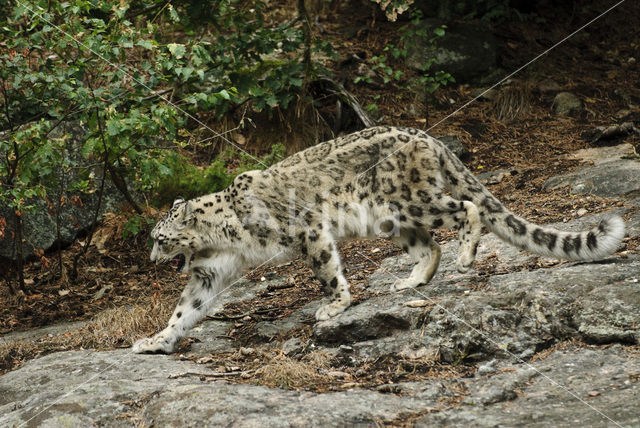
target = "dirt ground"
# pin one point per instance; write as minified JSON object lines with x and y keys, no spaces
{"x":598,"y":64}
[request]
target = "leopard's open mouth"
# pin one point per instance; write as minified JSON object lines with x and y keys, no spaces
{"x":178,"y":262}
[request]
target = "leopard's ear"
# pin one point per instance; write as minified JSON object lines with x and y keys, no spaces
{"x":188,"y":216}
{"x":188,"y":210}
{"x":177,"y":202}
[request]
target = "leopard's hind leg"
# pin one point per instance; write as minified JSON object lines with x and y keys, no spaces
{"x":424,"y":250}
{"x":438,"y":210}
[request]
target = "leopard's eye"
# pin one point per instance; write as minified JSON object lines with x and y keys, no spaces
{"x":161,"y":242}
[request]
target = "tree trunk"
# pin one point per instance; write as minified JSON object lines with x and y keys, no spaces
{"x":121,"y":185}
{"x":19,"y":253}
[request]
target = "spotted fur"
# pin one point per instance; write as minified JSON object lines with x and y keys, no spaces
{"x":398,"y":182}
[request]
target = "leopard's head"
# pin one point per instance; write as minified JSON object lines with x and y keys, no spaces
{"x":175,"y":237}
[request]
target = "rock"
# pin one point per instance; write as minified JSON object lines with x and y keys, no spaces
{"x":118,"y":388}
{"x":292,"y":346}
{"x":495,"y":177}
{"x":211,"y":336}
{"x":375,"y":318}
{"x":566,"y":103}
{"x":609,"y":315}
{"x":455,"y":145}
{"x":496,"y":394}
{"x":39,"y":227}
{"x":548,"y":85}
{"x":365,"y":71}
{"x":269,"y":329}
{"x":610,"y":135}
{"x":615,"y":173}
{"x":523,"y":311}
{"x":602,"y":155}
{"x":557,"y":391}
{"x":466,"y":51}
{"x":623,"y":114}
{"x":487,"y":368}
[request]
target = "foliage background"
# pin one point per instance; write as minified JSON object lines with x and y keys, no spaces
{"x":167,"y":94}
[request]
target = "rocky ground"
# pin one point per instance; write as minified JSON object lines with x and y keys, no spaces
{"x":519,"y":340}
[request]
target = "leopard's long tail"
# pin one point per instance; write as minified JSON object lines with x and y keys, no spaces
{"x":589,"y":245}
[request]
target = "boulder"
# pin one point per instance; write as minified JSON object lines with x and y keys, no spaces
{"x":454,"y":144}
{"x":566,"y":103}
{"x":467,"y":51}
{"x":39,"y":227}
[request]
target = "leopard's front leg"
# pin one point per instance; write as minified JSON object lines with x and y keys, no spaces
{"x":197,"y":297}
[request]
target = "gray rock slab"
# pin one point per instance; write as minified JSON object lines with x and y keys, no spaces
{"x":594,"y":388}
{"x":119,"y":388}
{"x":267,"y":330}
{"x":85,"y":386}
{"x":615,"y":173}
{"x":377,"y":317}
{"x":513,"y":315}
{"x":211,"y":336}
{"x":454,"y":144}
{"x":48,"y":331}
{"x":220,"y":404}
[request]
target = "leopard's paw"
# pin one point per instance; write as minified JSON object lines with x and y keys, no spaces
{"x":153,"y":345}
{"x":403,"y":284}
{"x":329,"y":311}
{"x":464,"y":263}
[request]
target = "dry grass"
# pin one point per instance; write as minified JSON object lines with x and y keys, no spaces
{"x":113,"y":328}
{"x":512,"y":102}
{"x":287,"y":373}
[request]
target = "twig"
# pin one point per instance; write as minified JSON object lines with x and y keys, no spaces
{"x":214,"y":374}
{"x":224,"y":317}
{"x":281,"y":286}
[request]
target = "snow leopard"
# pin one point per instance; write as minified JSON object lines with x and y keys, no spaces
{"x":389,"y":181}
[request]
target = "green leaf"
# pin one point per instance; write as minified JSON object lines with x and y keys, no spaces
{"x":113,"y":127}
{"x":147,"y":44}
{"x":271,"y":100}
{"x":173,"y":14}
{"x":177,"y":50}
{"x":256,"y":91}
{"x":125,"y":42}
